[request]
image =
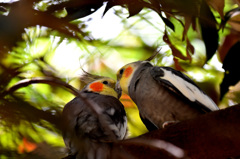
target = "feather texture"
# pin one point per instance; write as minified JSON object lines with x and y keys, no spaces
{"x":163,"y":94}
{"x":82,"y":126}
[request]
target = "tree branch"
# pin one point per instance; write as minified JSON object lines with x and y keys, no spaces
{"x":50,"y":80}
{"x":211,"y":136}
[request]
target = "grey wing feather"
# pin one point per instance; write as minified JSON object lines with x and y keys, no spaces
{"x":180,"y":84}
{"x":149,"y":125}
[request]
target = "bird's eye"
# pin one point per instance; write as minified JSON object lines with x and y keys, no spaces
{"x":121,"y":71}
{"x":105,"y":82}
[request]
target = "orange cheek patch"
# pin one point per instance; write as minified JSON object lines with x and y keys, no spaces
{"x":97,"y":86}
{"x":128,"y":71}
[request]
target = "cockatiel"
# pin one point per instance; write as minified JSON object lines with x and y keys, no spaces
{"x":81,"y":123}
{"x":162,"y":94}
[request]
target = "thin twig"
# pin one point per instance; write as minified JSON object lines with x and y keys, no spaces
{"x":46,"y":80}
{"x":50,"y":80}
{"x":155,"y":53}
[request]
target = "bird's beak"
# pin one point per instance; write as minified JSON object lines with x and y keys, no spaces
{"x":118,"y":89}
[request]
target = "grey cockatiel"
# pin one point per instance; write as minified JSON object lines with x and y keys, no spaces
{"x":162,"y":94}
{"x":83,"y":128}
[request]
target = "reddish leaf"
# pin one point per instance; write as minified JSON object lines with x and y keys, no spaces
{"x":183,"y":7}
{"x":190,"y":46}
{"x":189,"y":49}
{"x":26,"y":146}
{"x":175,"y":51}
{"x":188,"y":21}
{"x":156,"y":5}
{"x":218,"y":5}
{"x":177,"y":65}
{"x":232,"y":16}
{"x":228,"y":42}
{"x":194,"y":24}
{"x":234,"y":20}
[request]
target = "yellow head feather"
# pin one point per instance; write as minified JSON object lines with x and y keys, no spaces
{"x":104,"y":86}
{"x":125,"y":74}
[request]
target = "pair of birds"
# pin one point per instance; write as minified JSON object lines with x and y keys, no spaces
{"x":162,"y":95}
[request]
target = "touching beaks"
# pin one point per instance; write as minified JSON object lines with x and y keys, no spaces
{"x":118,"y":89}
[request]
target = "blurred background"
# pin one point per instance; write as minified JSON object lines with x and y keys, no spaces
{"x":55,"y":40}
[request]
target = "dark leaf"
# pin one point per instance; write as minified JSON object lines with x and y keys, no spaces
{"x":22,"y":15}
{"x":110,"y":4}
{"x":167,"y":22}
{"x":194,"y":24}
{"x":10,"y":32}
{"x":16,"y":110}
{"x":6,"y":76}
{"x":227,"y":16}
{"x":75,"y":6}
{"x":228,"y":42}
{"x":134,"y":7}
{"x":231,"y":66}
{"x":82,"y":11}
{"x":208,"y":29}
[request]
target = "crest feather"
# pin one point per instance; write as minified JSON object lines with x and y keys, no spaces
{"x":87,"y":77}
{"x":155,"y":53}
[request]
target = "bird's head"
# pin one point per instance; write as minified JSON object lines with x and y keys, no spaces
{"x":103,"y":86}
{"x":125,"y":74}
